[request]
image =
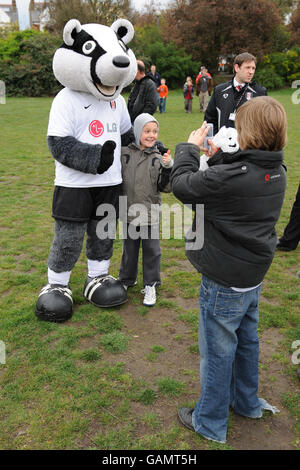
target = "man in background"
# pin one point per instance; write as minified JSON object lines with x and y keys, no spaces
{"x":204,"y":87}
{"x":143,"y":96}
{"x":154,"y":74}
{"x":228,"y":97}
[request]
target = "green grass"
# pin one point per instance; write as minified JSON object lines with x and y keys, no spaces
{"x":170,"y":387}
{"x":72,"y":386}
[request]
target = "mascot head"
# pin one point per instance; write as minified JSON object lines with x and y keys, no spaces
{"x":227,"y":140}
{"x":95,"y":58}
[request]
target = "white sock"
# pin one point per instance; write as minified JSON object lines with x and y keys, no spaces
{"x":98,"y":268}
{"x":59,"y":278}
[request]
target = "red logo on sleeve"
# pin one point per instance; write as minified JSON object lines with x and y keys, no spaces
{"x":267,"y":177}
{"x":96,"y":128}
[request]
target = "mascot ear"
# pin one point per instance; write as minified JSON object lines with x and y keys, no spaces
{"x":124,"y":30}
{"x":71,"y":28}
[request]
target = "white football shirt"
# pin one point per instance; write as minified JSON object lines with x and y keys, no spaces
{"x":92,"y":121}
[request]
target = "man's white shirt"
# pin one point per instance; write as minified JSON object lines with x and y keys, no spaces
{"x":81,"y":115}
{"x":236,"y":83}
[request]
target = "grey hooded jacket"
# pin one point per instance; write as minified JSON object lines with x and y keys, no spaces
{"x":144,"y":177}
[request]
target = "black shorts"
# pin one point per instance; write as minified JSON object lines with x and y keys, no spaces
{"x":80,"y":204}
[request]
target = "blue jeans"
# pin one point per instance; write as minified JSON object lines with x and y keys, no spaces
{"x":229,"y":350}
{"x":162,"y":105}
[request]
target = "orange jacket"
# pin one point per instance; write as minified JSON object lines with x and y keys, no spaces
{"x":163,"y":91}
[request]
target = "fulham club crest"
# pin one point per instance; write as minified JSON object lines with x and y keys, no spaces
{"x":113,"y":105}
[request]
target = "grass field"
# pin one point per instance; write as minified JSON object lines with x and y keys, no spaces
{"x":113,"y":379}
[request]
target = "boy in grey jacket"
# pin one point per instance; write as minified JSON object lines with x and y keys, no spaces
{"x":145,"y":174}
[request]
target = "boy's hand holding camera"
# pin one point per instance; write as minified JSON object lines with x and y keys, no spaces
{"x":197,"y":137}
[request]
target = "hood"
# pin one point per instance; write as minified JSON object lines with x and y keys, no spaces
{"x":139,"y":123}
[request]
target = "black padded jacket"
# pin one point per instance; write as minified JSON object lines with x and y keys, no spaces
{"x":242,"y":202}
{"x":226,"y":99}
{"x":143,"y":97}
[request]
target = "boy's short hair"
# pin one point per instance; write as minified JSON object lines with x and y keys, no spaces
{"x":244,"y":57}
{"x":261,"y":123}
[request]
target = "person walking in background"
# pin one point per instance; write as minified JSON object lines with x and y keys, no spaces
{"x":228,"y":97}
{"x":204,"y":87}
{"x":188,"y":94}
{"x":143,"y":96}
{"x":200,"y":73}
{"x":291,"y":235}
{"x":233,"y":255}
{"x":163,"y":93}
{"x":154,"y":74}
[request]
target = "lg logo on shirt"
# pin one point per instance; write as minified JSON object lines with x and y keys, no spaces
{"x":96,"y":128}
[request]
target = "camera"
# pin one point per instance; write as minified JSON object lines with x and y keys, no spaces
{"x":209,"y":135}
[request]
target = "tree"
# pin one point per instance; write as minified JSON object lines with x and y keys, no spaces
{"x":26,"y":63}
{"x":87,"y":11}
{"x":172,"y":62}
{"x":285,"y":6}
{"x":294,"y":26}
{"x":209,"y":29}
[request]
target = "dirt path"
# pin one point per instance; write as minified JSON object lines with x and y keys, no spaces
{"x":274,"y":432}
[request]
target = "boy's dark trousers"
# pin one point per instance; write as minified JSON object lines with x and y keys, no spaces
{"x":148,"y":236}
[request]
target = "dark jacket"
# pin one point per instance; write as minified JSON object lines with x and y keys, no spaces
{"x":143,"y":97}
{"x":186,"y":90}
{"x":199,"y":82}
{"x":242,"y":202}
{"x":226,"y":99}
{"x":156,"y":77}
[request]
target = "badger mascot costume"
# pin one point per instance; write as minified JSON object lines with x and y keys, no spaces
{"x":88,"y":124}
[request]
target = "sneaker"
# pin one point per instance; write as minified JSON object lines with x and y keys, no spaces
{"x":55,"y":303}
{"x":127,"y":285}
{"x":150,"y":295}
{"x":185,"y":416}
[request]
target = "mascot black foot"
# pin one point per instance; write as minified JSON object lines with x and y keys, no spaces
{"x":104,"y":291}
{"x":55,"y":303}
{"x":88,"y":124}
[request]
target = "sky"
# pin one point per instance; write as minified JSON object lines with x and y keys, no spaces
{"x":139,"y":4}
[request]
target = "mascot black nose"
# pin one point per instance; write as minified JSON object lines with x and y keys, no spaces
{"x":121,"y":61}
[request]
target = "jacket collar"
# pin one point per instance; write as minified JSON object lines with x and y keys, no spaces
{"x":231,"y":85}
{"x":262,"y":158}
{"x":134,"y":146}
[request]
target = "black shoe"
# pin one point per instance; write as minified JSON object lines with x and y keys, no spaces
{"x":127,"y":285}
{"x":185,"y":416}
{"x":55,"y":303}
{"x":104,"y":291}
{"x":281,"y":247}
